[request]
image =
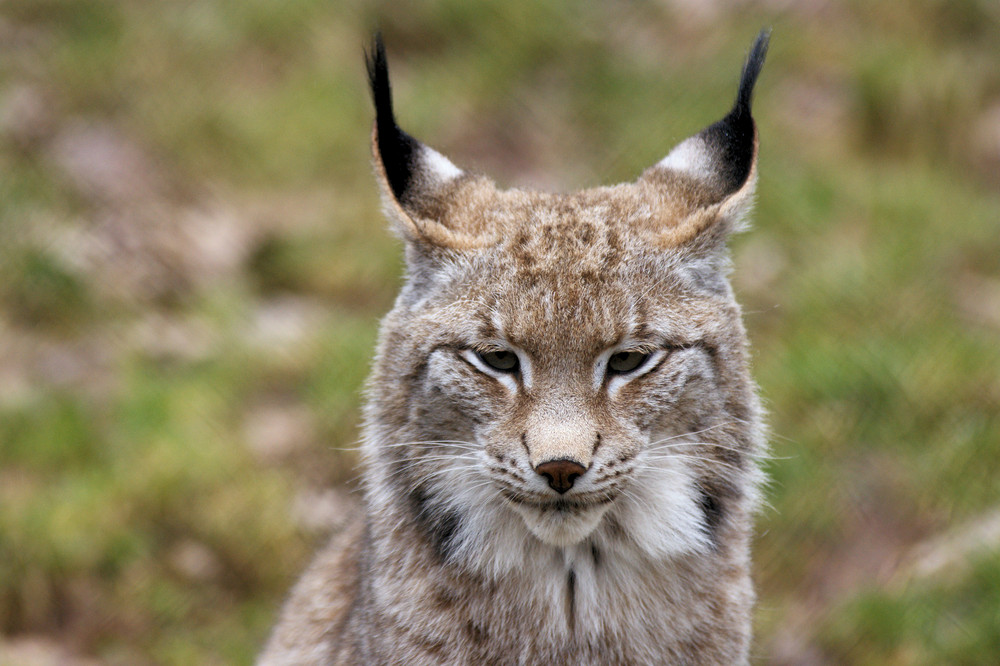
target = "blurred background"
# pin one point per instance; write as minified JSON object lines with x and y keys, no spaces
{"x":193,"y":265}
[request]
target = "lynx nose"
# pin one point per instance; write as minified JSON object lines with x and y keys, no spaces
{"x":560,"y":473}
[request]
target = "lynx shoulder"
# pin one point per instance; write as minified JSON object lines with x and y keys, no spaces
{"x":562,"y":438}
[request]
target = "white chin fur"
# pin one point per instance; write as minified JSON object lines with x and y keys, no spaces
{"x":560,"y":528}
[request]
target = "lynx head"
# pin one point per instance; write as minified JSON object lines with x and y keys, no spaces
{"x":566,"y":370}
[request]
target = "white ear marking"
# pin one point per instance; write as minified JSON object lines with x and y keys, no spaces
{"x":440,"y":166}
{"x":689,"y":156}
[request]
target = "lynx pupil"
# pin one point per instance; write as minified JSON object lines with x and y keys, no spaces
{"x":626,"y":361}
{"x":503,"y":361}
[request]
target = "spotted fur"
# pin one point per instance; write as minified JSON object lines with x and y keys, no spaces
{"x":466,"y":551}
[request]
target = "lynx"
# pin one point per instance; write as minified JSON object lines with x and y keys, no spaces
{"x":562,"y":440}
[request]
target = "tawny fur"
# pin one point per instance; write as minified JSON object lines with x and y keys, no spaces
{"x":464,"y":553}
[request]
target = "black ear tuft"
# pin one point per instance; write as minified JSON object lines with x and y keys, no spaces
{"x":751,"y":70}
{"x":396,"y":148}
{"x":733,"y":138}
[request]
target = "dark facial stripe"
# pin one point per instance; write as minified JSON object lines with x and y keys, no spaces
{"x":712,"y":511}
{"x":571,"y":601}
{"x":439,"y":524}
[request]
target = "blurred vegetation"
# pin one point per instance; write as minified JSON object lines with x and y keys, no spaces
{"x":192,"y":267}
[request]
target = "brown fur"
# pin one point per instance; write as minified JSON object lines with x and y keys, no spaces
{"x":462,"y":553}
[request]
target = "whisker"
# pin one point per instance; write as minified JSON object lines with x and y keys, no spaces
{"x":662,"y":451}
{"x":666,"y":449}
{"x":344,"y":449}
{"x":434,"y":457}
{"x":708,"y":462}
{"x":480,"y":483}
{"x":451,"y":443}
{"x":691,"y":433}
{"x":417,"y":478}
{"x":418,"y":483}
{"x":635,"y":498}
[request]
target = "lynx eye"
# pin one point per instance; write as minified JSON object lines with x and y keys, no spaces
{"x":626,"y":361}
{"x":501,"y":361}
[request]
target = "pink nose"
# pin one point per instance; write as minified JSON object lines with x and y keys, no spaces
{"x":560,"y":473}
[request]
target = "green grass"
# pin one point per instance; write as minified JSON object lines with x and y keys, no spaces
{"x":141,"y":522}
{"x":926,"y":623}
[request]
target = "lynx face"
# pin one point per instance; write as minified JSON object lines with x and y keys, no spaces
{"x":566,"y":370}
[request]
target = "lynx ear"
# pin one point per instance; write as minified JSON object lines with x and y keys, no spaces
{"x":415,"y":179}
{"x":710,"y":177}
